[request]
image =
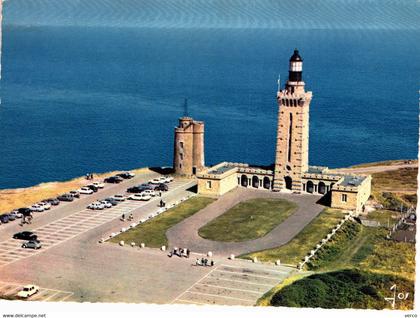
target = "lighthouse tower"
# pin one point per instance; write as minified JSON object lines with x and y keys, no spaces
{"x":292,"y":129}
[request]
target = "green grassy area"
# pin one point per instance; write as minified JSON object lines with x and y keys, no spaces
{"x":298,"y":247}
{"x":344,"y":289}
{"x":248,"y":220}
{"x":153,"y":232}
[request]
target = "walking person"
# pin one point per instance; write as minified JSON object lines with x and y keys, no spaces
{"x":188,"y":253}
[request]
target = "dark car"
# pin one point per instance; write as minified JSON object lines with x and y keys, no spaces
{"x":125,"y":175}
{"x":135,"y":190}
{"x":92,"y":187}
{"x":112,"y":201}
{"x":161,"y":187}
{"x":25,"y":235}
{"x":147,"y":186}
{"x":52,"y":201}
{"x":114,"y":179}
{"x":25,"y":211}
{"x":4,"y":218}
{"x":66,"y":197}
{"x":11,"y":216}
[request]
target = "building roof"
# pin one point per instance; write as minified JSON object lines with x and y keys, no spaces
{"x":352,"y":181}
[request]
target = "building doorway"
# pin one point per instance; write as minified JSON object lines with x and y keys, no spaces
{"x":244,"y":181}
{"x":321,"y":188}
{"x":310,"y":187}
{"x":288,"y":182}
{"x":266,"y":183}
{"x":255,"y":182}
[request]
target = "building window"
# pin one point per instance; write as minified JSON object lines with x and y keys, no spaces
{"x":180,"y":165}
{"x":181,"y":156}
{"x":208,"y":185}
{"x":181,"y":144}
{"x":343,"y":197}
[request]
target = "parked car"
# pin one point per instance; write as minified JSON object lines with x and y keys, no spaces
{"x":53,"y":201}
{"x":147,"y":186}
{"x":135,"y":189}
{"x":140,"y":197}
{"x":24,"y":211}
{"x":92,"y":187}
{"x":75,"y":193}
{"x":114,"y":179}
{"x":66,"y":197}
{"x":96,"y":206}
{"x":4,"y":218}
{"x":126,"y":175}
{"x":45,"y":205}
{"x":28,"y":291}
{"x":37,"y":208}
{"x":152,"y":193}
{"x":25,"y":235}
{"x":111,"y":200}
{"x":32,"y":244}
{"x":119,"y":197}
{"x":12,"y":217}
{"x":106,"y":204}
{"x":161,"y":187}
{"x":155,"y":181}
{"x":99,"y":185}
{"x":17,"y":214}
{"x":85,"y":190}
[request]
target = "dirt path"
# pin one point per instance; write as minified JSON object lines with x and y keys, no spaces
{"x":374,"y":169}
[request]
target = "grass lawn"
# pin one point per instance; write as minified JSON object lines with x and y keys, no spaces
{"x":301,"y":244}
{"x":153,"y":232}
{"x":248,"y":220}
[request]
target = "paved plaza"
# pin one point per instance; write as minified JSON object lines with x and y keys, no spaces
{"x":73,"y":266}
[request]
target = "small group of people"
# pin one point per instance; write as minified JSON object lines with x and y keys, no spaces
{"x":130,"y":217}
{"x":204,"y":262}
{"x":89,"y":176}
{"x":181,"y":252}
{"x":162,"y":203}
{"x":26,"y":219}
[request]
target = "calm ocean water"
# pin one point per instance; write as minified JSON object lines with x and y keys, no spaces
{"x":79,"y":99}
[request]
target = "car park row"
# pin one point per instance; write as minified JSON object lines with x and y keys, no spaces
{"x":26,"y":213}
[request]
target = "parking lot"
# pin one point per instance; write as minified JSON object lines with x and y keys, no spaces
{"x":44,"y":294}
{"x":236,"y":283}
{"x":73,"y":225}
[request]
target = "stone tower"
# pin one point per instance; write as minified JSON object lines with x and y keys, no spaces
{"x":292,"y":130}
{"x":189,"y":146}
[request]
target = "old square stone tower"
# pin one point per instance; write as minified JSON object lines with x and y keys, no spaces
{"x":189,"y":146}
{"x":292,"y":130}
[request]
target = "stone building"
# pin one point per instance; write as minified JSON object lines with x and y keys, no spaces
{"x":189,"y":147}
{"x":291,"y":171}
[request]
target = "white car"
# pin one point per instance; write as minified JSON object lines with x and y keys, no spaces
{"x":28,"y":291}
{"x":85,"y":190}
{"x":152,"y":193}
{"x":96,"y":206}
{"x":106,"y":204}
{"x":46,"y":205}
{"x":165,"y":179}
{"x":16,"y":214}
{"x":119,"y":197}
{"x":140,"y":197}
{"x":99,"y":185}
{"x":37,"y":208}
{"x":155,"y":181}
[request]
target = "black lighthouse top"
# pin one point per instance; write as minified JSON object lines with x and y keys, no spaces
{"x":295,"y":57}
{"x":295,"y":67}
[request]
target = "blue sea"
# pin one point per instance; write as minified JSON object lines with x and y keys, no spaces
{"x":98,"y":85}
